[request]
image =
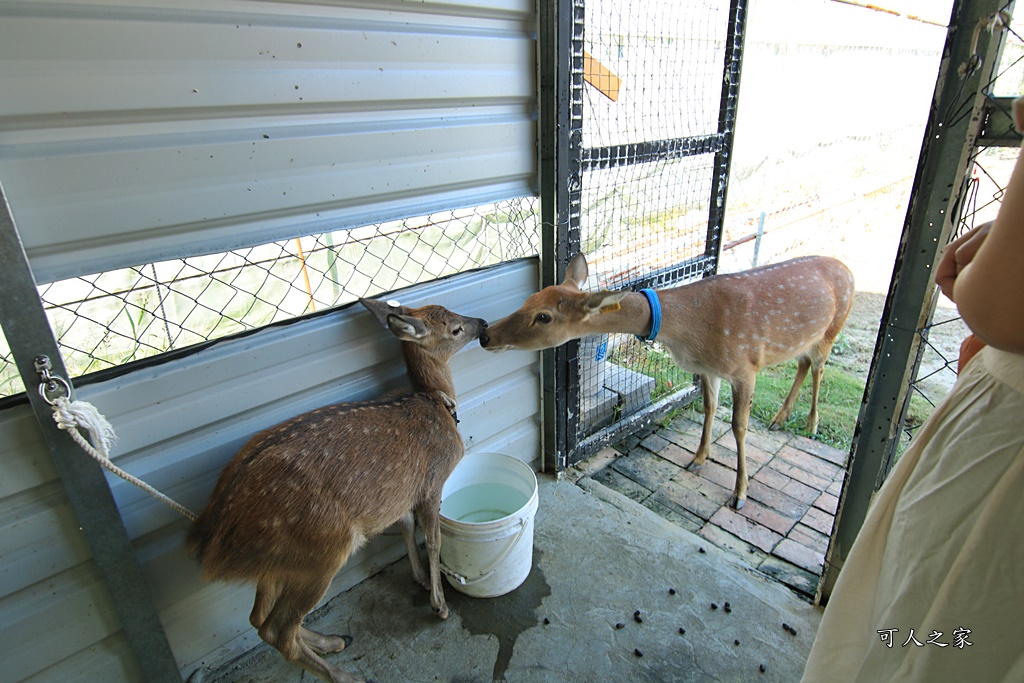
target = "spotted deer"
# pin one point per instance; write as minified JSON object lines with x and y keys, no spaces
{"x":722,"y":327}
{"x":300,"y":497}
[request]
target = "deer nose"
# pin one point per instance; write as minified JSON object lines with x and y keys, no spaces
{"x":484,"y":338}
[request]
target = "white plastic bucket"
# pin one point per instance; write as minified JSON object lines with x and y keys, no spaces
{"x":487,"y":510}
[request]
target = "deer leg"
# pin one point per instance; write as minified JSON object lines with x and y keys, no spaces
{"x":267,"y":593}
{"x":812,"y":417}
{"x":408,"y":526}
{"x":283,"y":629}
{"x":709,"y":390}
{"x":803,"y":365}
{"x":429,"y":514}
{"x":742,"y":398}
{"x":322,"y":643}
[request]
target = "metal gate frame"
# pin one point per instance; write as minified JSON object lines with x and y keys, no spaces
{"x":951,"y":139}
{"x":563,"y":163}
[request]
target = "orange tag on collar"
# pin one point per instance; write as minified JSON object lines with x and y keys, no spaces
{"x":610,"y":308}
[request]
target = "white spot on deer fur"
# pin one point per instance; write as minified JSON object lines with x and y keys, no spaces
{"x":726,"y":332}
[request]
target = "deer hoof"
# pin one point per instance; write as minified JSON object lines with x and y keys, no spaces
{"x":695,"y":466}
{"x":442,"y":612}
{"x":737,"y":503}
{"x":326,"y":644}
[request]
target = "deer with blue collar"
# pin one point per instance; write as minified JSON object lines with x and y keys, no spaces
{"x":722,"y":327}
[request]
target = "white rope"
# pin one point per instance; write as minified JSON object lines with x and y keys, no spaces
{"x":72,"y":415}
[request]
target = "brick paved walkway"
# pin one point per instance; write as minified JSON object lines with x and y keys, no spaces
{"x":783,"y":529}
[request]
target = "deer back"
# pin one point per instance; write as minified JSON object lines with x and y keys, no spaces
{"x":727,"y":324}
{"x":317,"y":482}
{"x":719,"y":325}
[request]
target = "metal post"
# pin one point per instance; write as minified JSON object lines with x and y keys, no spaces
{"x":950,"y":137}
{"x":22,"y":312}
{"x":560,"y":65}
{"x":757,"y":240}
{"x":734,"y":40}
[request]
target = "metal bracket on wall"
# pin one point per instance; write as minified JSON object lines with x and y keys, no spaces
{"x":29,"y":335}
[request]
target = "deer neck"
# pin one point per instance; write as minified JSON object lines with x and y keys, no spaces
{"x":632,"y":317}
{"x":425,"y":372}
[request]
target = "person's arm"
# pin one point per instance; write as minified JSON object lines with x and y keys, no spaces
{"x":957,"y":255}
{"x":989,"y":289}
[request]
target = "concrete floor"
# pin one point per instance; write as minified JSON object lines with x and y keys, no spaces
{"x":599,"y":558}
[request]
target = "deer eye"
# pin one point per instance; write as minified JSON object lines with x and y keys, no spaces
{"x":543,"y":318}
{"x":456,"y":331}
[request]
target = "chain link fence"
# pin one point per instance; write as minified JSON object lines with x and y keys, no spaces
{"x":652,"y":184}
{"x":109,"y":319}
{"x":978,"y":202}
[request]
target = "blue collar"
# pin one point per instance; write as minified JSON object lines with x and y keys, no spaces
{"x":652,"y":299}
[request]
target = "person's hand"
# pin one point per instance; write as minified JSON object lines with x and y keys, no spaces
{"x":957,"y":255}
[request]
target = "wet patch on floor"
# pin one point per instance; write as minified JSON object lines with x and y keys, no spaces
{"x":505,"y":617}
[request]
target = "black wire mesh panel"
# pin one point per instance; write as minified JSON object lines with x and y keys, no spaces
{"x":109,"y":319}
{"x":978,"y":202}
{"x":659,"y":108}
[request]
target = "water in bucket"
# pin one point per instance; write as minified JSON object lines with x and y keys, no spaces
{"x":485,"y":502}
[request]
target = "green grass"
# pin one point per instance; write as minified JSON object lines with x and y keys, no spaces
{"x":838,"y":403}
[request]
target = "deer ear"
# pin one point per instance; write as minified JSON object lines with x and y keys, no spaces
{"x":603,"y":302}
{"x":576,"y":272}
{"x":407,"y":327}
{"x":382,"y":309}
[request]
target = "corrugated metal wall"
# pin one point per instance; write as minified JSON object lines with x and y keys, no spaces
{"x":178,"y":424}
{"x":132,"y":132}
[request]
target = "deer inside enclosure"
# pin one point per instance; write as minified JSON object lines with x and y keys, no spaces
{"x":300,"y":497}
{"x":722,"y":327}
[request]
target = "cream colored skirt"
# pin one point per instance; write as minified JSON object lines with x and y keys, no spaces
{"x":933,"y":587}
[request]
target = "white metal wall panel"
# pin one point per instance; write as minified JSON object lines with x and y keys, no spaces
{"x":136,"y":131}
{"x":178,"y":424}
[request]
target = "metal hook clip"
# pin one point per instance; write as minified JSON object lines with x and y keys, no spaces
{"x":52,"y":387}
